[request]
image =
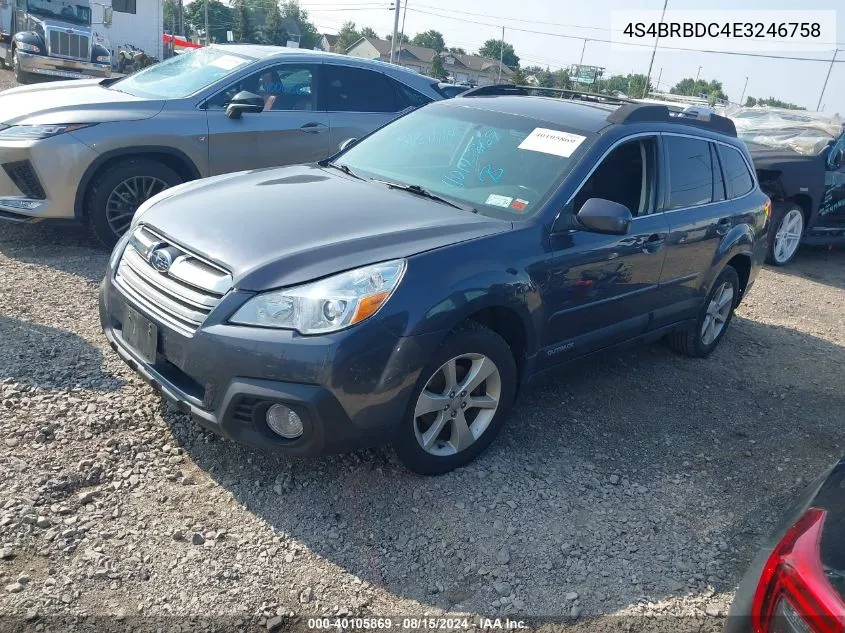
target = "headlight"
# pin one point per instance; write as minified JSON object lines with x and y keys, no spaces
{"x":37,"y":132}
{"x":103,"y":59}
{"x":29,"y":48}
{"x":327,"y":305}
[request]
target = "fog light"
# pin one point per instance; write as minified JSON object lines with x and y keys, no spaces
{"x":283,"y":421}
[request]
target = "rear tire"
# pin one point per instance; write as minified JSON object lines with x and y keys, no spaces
{"x":116,"y":193}
{"x":441,"y":432}
{"x":713,"y":319}
{"x":785,"y":233}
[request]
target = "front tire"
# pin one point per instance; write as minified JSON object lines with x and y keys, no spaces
{"x":116,"y":193}
{"x":713,"y":319}
{"x":460,"y":402}
{"x":785,"y":234}
{"x":21,"y":76}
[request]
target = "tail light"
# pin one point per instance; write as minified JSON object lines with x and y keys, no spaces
{"x":794,"y":595}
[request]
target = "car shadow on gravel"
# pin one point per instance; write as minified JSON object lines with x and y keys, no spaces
{"x":818,"y":264}
{"x":637,"y":477}
{"x":48,"y":358}
{"x":70,"y":249}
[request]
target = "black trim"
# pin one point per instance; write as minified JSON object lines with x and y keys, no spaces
{"x":25,"y":179}
{"x":639,"y":113}
{"x":127,"y":152}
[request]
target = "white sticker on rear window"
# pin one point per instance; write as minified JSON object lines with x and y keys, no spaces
{"x":227,"y":62}
{"x":495,"y":200}
{"x":552,"y":142}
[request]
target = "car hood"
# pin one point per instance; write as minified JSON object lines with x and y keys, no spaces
{"x":283,"y":226}
{"x":74,"y":101}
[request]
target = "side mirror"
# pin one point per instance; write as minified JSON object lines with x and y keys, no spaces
{"x":838,"y":159}
{"x":108,"y":16}
{"x":244,"y":102}
{"x":347,"y":144}
{"x":605,"y":216}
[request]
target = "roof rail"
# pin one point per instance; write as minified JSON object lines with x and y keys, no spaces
{"x":635,"y":113}
{"x":525,"y":91}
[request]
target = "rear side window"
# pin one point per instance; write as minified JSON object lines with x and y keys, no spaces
{"x":690,"y":172}
{"x":407,"y":97}
{"x":349,"y":89}
{"x":738,"y":179}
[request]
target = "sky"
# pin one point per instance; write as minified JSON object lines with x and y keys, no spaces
{"x":798,"y":82}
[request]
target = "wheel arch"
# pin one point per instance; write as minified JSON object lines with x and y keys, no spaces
{"x":173,"y":158}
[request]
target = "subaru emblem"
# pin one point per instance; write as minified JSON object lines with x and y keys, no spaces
{"x":161,"y":260}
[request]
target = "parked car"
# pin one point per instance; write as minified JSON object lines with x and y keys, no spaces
{"x":796,"y":583}
{"x":406,"y":290}
{"x":92,"y":151}
{"x":452,"y":90}
{"x":800,"y":163}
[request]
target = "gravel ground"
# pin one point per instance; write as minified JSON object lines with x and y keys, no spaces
{"x":638,"y":484}
{"x":7,"y":79}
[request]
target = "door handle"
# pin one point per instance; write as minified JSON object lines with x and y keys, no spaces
{"x":313,"y":128}
{"x":654,"y":243}
{"x":723,"y":226}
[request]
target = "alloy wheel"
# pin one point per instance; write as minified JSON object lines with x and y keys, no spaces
{"x":788,"y":236}
{"x":127,"y":196}
{"x":457,"y":404}
{"x":718,"y":311}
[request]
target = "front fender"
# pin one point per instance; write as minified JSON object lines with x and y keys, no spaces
{"x":32,"y":38}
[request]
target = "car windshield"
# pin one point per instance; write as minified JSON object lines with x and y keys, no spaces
{"x":68,"y":12}
{"x":502,"y":165}
{"x":182,"y":75}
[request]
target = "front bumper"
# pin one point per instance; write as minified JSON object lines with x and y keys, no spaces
{"x":64,"y":68}
{"x":350,"y":388}
{"x":39,"y":179}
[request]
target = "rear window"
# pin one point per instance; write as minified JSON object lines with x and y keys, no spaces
{"x":690,"y":172}
{"x":738,"y":178}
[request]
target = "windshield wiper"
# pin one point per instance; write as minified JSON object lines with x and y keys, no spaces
{"x":344,"y":168}
{"x":425,"y":193}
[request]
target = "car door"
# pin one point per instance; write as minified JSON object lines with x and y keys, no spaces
{"x":358,"y":100}
{"x":601,"y":289}
{"x":699,"y":215}
{"x":832,"y":208}
{"x":293,"y":128}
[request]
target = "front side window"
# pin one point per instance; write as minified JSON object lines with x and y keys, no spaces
{"x":348,"y":89}
{"x":690,"y":172}
{"x":408,"y":97}
{"x":285,"y":87}
{"x":500,"y":164}
{"x":626,"y":176}
{"x":182,"y":75}
{"x":737,"y":177}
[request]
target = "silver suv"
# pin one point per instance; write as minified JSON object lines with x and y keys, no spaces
{"x":94,"y":151}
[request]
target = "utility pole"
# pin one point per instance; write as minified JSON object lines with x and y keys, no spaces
{"x":581,"y":61}
{"x":654,"y":50}
{"x":742,"y":98}
{"x":207,"y":34}
{"x":402,"y":35}
{"x":397,"y":8}
{"x":659,"y":75}
{"x":181,"y":26}
{"x":824,"y":87}
{"x":501,"y":55}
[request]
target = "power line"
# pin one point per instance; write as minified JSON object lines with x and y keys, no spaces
{"x":607,"y":41}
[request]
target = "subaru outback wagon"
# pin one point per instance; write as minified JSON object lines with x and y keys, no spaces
{"x":408,"y":289}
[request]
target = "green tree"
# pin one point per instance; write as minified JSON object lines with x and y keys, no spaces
{"x":347,"y":36}
{"x":404,"y":39}
{"x":220,"y":18}
{"x":243,"y":28}
{"x":437,"y":69}
{"x":370,"y":32}
{"x":457,"y":50}
{"x":518,"y":77}
{"x":561,"y":78}
{"x":630,"y":85}
{"x":772,"y":103}
{"x":750,"y":102}
{"x":545,"y":79}
{"x":296,"y":22}
{"x":430,"y":39}
{"x":691,"y":87}
{"x":493,"y":48}
{"x":273,"y":30}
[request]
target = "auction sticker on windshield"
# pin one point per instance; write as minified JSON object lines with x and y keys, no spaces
{"x":228,"y":62}
{"x":496,"y":200}
{"x":552,"y":142}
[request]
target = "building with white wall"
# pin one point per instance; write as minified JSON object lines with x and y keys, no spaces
{"x":139,"y":23}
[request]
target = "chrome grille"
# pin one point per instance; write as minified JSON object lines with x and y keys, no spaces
{"x":181,"y":296}
{"x":71,"y":45}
